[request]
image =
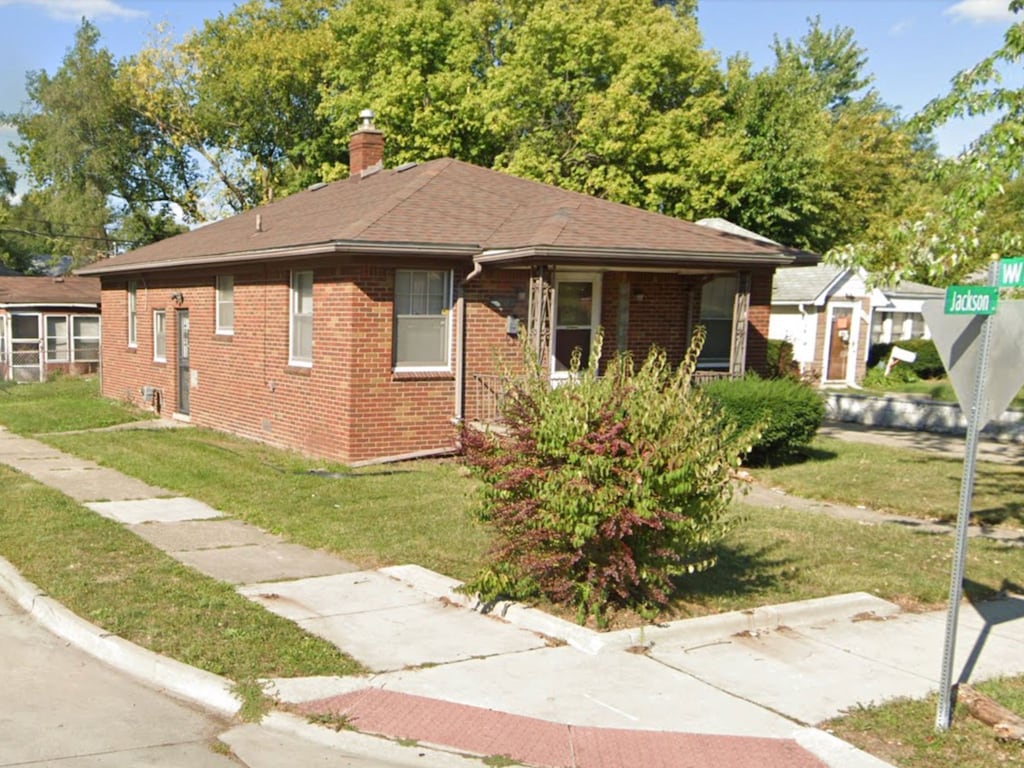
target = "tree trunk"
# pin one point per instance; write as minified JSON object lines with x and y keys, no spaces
{"x":1006,"y":724}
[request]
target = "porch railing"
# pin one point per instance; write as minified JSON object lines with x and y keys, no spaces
{"x":489,"y":390}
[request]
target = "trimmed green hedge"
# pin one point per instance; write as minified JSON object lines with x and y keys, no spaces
{"x":787,"y":412}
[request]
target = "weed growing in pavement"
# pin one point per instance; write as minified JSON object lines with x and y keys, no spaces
{"x":255,"y":701}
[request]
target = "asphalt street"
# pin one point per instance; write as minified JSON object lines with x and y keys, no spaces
{"x":61,"y":706}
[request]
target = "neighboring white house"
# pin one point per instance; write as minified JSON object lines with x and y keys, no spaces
{"x":832,"y":318}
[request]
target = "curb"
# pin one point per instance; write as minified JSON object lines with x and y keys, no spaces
{"x":348,"y":743}
{"x":194,"y":685}
{"x":686,"y":631}
{"x":835,"y":752}
{"x":214,"y":692}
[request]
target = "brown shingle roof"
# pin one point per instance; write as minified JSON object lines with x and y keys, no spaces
{"x":49,"y":291}
{"x":443,"y":207}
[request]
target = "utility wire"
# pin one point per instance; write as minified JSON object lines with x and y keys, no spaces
{"x":68,"y":236}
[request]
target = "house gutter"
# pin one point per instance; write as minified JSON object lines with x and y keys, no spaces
{"x":460,"y":343}
{"x":50,"y":305}
{"x":335,"y":247}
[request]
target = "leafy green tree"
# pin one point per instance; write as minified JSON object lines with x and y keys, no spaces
{"x":259,"y":71}
{"x":13,"y":253}
{"x":615,"y":99}
{"x":968,"y":219}
{"x":92,"y":159}
{"x":781,"y":115}
{"x":422,"y":68}
{"x":161,"y":79}
{"x":827,"y":161}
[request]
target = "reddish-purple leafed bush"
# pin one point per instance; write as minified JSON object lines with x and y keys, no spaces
{"x":605,"y":489}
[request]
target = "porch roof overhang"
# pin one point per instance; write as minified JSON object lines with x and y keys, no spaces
{"x":638,"y":258}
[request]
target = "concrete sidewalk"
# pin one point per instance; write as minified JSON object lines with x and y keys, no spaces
{"x":737,"y":690}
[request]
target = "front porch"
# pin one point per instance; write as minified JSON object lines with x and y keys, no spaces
{"x":548,"y":312}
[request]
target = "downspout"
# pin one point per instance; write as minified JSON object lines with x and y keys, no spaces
{"x":460,"y":343}
{"x":803,"y":314}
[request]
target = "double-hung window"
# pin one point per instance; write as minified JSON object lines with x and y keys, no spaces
{"x":225,"y":304}
{"x":57,"y":339}
{"x":160,"y":335}
{"x":301,"y":320}
{"x":717,"y":300}
{"x":133,"y":295}
{"x":577,"y":317}
{"x":85,"y":339}
{"x":423,"y":300}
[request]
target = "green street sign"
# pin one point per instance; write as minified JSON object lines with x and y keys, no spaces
{"x":1011,"y":272}
{"x":971,"y":299}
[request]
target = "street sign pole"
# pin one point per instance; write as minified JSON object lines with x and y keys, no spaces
{"x":975,"y":421}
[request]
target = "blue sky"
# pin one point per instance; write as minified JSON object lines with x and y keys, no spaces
{"x":913,"y":47}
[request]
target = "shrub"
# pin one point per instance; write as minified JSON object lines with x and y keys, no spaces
{"x":780,"y":359}
{"x":928,"y":364}
{"x":788,"y":411}
{"x":902,"y":373}
{"x":603,"y":490}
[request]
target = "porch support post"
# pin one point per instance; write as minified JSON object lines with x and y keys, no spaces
{"x":741,"y":307}
{"x":539,"y":327}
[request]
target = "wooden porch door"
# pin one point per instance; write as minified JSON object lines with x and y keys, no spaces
{"x":840,"y":336}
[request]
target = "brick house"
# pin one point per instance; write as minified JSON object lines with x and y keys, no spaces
{"x":360,"y":320}
{"x":48,"y":325}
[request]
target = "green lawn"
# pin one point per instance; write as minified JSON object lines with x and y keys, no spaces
{"x":900,"y":481}
{"x":66,"y":403}
{"x":903,"y":733}
{"x":106,"y":574}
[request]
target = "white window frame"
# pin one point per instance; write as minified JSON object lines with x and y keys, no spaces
{"x":133,"y":313}
{"x":594,"y":278}
{"x":75,"y":337}
{"x":159,"y":335}
{"x":225,"y":291}
{"x":66,"y":358}
{"x":446,"y":313}
{"x":294,"y":304}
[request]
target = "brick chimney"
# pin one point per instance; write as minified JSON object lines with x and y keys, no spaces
{"x":365,"y":146}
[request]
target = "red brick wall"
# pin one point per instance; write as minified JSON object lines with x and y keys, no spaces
{"x":757,"y":319}
{"x":658,"y":315}
{"x":350,"y":405}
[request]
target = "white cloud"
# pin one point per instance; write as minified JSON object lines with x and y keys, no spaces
{"x":982,"y":11}
{"x":74,"y":10}
{"x":897,"y":29}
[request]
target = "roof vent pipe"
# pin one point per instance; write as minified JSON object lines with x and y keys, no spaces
{"x":259,"y":222}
